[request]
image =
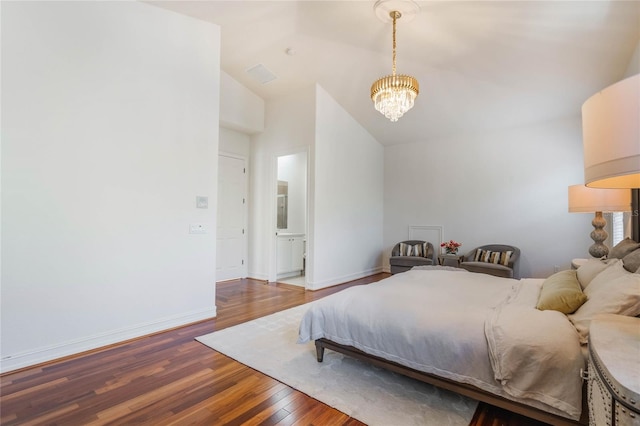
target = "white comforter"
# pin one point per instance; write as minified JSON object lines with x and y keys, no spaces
{"x":469,"y":327}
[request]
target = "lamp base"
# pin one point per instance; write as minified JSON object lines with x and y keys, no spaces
{"x":598,"y":235}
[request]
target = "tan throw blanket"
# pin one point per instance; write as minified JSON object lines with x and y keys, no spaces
{"x":535,"y":354}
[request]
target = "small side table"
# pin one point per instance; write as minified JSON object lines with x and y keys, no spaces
{"x":443,"y":258}
{"x":576,"y":263}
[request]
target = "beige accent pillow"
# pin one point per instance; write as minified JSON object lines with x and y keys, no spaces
{"x":631,"y":261}
{"x":623,"y":248}
{"x":613,"y":291}
{"x":561,"y":292}
{"x":588,"y":271}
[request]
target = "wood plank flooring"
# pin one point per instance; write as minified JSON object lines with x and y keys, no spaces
{"x":170,"y":379}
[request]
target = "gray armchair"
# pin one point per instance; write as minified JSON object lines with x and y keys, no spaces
{"x":400,"y":263}
{"x":510,"y":270}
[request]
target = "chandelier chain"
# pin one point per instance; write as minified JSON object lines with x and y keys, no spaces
{"x":394,"y":15}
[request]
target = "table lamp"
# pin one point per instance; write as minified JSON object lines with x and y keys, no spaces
{"x":596,"y":200}
{"x":611,"y":136}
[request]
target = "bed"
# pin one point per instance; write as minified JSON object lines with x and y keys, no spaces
{"x":475,"y":334}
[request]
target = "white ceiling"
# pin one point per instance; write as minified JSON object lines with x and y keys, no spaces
{"x":481,"y":64}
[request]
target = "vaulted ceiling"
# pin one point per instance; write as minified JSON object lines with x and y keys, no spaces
{"x":481,"y":64}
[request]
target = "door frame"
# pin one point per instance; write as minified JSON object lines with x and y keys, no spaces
{"x":273,"y":260}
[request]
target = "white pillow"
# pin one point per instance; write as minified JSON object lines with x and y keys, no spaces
{"x":588,"y":271}
{"x":613,"y":291}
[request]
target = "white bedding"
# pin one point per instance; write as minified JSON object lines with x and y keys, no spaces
{"x":435,"y":321}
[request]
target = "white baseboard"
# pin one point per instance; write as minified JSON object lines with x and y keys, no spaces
{"x":289,"y":275}
{"x":53,"y":352}
{"x":258,"y":276}
{"x":317,"y":285}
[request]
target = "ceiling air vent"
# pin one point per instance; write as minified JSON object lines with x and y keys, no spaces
{"x":261,"y":74}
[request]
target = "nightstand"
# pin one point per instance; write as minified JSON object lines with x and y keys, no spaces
{"x":443,"y":258}
{"x":613,"y":390}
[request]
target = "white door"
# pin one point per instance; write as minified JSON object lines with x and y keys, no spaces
{"x":231,"y":241}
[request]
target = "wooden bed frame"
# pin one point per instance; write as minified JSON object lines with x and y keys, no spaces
{"x":460,"y":388}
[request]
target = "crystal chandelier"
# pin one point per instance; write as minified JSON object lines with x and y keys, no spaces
{"x":394,"y":95}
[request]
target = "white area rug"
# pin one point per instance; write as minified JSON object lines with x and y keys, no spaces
{"x":370,"y":394}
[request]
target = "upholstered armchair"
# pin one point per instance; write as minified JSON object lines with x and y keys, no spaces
{"x":494,"y":259}
{"x":407,"y":254}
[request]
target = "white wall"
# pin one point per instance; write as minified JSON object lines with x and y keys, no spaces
{"x":289,"y":128}
{"x":241,"y":114}
{"x":236,"y":143}
{"x":345,"y":170}
{"x":347,"y":215}
{"x":634,"y":63}
{"x":240,"y":109}
{"x":109,"y":132}
{"x":509,"y":186}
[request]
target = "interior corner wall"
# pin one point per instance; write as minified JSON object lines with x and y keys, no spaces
{"x":109,"y":132}
{"x":507,"y":186}
{"x":240,"y":109}
{"x":236,"y":143}
{"x":346,"y":231}
{"x":289,"y":128}
{"x":634,"y":63}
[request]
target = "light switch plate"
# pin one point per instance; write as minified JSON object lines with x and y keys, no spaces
{"x":202,"y":202}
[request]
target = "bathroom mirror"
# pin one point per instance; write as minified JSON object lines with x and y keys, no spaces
{"x":283,"y":204}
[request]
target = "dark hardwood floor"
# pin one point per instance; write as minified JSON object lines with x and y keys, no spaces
{"x":169,"y":378}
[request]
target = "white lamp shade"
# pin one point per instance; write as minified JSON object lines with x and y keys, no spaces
{"x":611,"y":136}
{"x":590,"y":200}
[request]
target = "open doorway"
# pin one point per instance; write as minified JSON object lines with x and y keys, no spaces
{"x":291,"y":219}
